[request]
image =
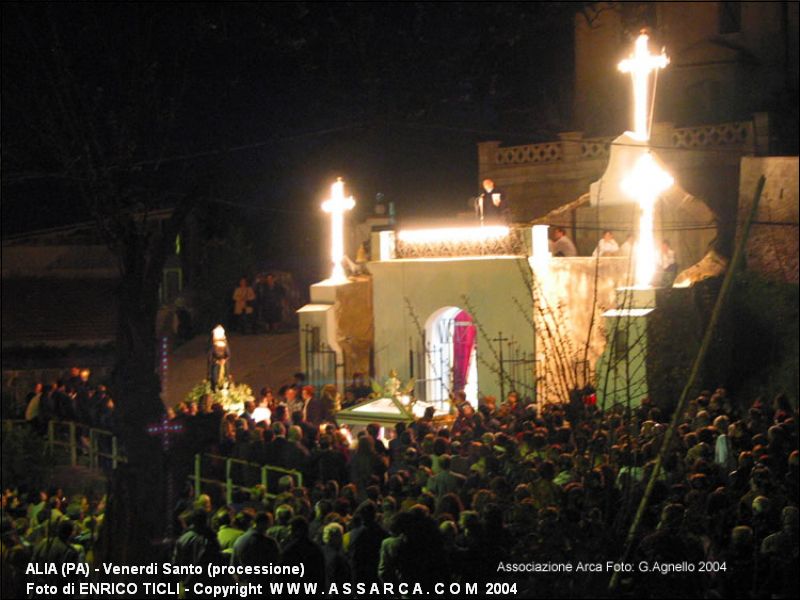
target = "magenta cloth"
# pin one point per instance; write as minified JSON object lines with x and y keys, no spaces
{"x":464,"y":333}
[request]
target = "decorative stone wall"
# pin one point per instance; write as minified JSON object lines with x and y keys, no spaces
{"x":539,"y":178}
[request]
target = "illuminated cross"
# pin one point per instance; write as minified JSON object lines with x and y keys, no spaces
{"x":640,"y":64}
{"x":644,"y":184}
{"x":336,"y":205}
{"x":166,"y":429}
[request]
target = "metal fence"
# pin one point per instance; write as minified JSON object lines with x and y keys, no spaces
{"x":229,"y":474}
{"x":76,"y":444}
{"x":322,"y":367}
{"x":518,"y":367}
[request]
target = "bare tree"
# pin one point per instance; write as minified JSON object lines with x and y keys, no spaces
{"x":101,"y":92}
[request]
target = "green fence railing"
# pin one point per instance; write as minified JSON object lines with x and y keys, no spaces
{"x":236,"y":474}
{"x":78,"y":444}
{"x":75,"y":443}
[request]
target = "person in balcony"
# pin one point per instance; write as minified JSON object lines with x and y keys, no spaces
{"x":270,"y":298}
{"x":561,"y":245}
{"x":243,"y":299}
{"x":491,"y":205}
{"x":667,"y":267}
{"x":607,"y":246}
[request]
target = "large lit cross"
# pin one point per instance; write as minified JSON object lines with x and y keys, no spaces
{"x":336,"y":205}
{"x":640,"y":64}
{"x":644,"y":184}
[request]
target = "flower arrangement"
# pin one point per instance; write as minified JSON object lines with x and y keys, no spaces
{"x":392,"y":387}
{"x":232,"y":397}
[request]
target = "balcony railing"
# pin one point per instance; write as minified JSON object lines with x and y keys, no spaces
{"x":573,"y":147}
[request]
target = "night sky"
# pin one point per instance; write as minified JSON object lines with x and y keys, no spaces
{"x":259,"y":107}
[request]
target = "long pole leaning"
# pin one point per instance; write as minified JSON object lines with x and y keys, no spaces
{"x":727,"y":284}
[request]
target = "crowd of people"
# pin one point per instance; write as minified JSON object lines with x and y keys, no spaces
{"x":449,"y":501}
{"x":74,"y":397}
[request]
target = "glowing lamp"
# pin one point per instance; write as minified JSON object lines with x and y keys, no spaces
{"x":452,"y":234}
{"x":218,"y":334}
{"x":640,"y":64}
{"x":644,"y":184}
{"x":336,"y":205}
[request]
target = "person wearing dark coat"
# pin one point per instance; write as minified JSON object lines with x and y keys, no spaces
{"x":197,"y":546}
{"x":322,"y":409}
{"x":300,"y":550}
{"x":310,"y":431}
{"x":337,"y":569}
{"x":365,"y":464}
{"x":270,"y":296}
{"x":255,"y":547}
{"x":296,"y":454}
{"x":56,"y":549}
{"x":492,"y":206}
{"x":315,"y":410}
{"x":365,"y":544}
{"x":326,"y":463}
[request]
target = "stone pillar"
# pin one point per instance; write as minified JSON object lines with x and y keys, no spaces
{"x":621,"y":371}
{"x":761,"y":134}
{"x":382,"y":245}
{"x":571,"y":150}
{"x":319,"y":317}
{"x":539,"y":243}
{"x":661,"y":134}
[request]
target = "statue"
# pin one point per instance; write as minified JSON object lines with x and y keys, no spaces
{"x":393,"y":389}
{"x":219,"y":360}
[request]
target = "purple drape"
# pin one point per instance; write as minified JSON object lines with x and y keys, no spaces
{"x":464,"y":333}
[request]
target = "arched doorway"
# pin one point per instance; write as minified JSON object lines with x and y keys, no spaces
{"x":451,"y":355}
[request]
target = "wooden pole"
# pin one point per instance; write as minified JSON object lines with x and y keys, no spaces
{"x":727,"y":284}
{"x":73,"y":448}
{"x":198,"y":459}
{"x":51,"y":436}
{"x":92,"y":449}
{"x":228,"y":482}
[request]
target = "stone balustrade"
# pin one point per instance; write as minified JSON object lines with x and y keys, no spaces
{"x":530,"y":153}
{"x":739,"y":133}
{"x":572,"y":146}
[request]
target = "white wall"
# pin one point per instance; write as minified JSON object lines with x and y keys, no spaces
{"x":491,"y":285}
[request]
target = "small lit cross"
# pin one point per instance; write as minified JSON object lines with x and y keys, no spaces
{"x":639,"y":65}
{"x":165,"y":429}
{"x":336,"y":205}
